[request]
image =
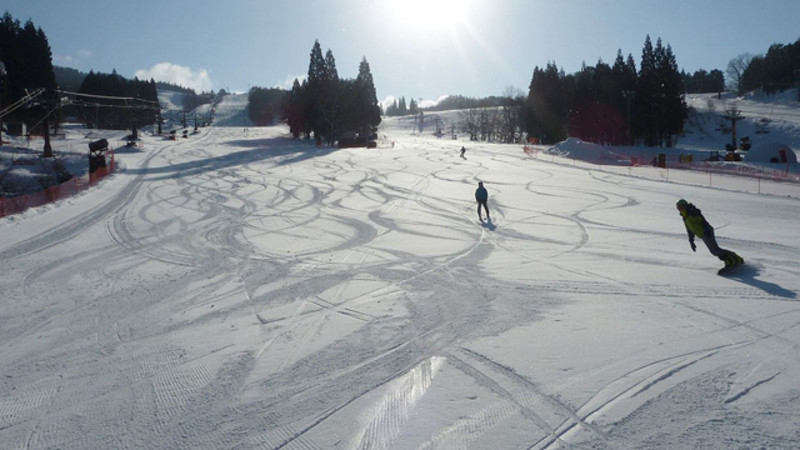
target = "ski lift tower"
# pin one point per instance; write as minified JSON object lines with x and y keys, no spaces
{"x":734,"y":115}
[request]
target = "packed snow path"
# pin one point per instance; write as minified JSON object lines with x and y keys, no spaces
{"x":238,"y":289}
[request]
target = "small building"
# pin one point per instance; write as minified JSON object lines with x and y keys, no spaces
{"x":771,"y":152}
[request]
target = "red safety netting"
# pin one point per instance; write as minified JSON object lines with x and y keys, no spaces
{"x":15,"y":205}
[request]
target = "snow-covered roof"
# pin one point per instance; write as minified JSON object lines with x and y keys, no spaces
{"x":772,"y":152}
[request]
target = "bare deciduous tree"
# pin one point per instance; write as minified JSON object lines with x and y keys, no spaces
{"x":735,"y":70}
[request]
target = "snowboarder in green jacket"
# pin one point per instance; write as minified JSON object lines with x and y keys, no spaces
{"x":696,"y":225}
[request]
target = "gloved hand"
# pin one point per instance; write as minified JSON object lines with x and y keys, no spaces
{"x":694,"y":247}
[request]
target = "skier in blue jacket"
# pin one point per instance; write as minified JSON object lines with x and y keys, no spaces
{"x":481,"y":196}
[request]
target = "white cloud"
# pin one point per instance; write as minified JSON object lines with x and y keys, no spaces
{"x":177,"y":74}
{"x":390,"y":99}
{"x":429,"y":103}
{"x":73,"y":60}
{"x":289,"y":81}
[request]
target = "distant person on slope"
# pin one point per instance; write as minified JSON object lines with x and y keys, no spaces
{"x":481,"y":196}
{"x":463,"y":150}
{"x":696,"y":225}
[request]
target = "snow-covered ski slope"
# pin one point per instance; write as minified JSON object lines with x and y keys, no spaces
{"x":238,"y":289}
{"x":232,"y":111}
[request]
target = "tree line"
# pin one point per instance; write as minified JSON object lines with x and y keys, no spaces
{"x":610,"y":104}
{"x":702,"y":81}
{"x":614,"y":104}
{"x":265,"y":106}
{"x":27,"y":59}
{"x":399,"y":108}
{"x":113,"y":102}
{"x":70,"y":80}
{"x":619,"y":104}
{"x":776,"y":71}
{"x":332,"y":109}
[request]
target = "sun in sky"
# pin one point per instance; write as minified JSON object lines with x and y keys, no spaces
{"x":429,"y":14}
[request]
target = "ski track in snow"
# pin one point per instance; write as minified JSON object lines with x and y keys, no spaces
{"x":239,"y":289}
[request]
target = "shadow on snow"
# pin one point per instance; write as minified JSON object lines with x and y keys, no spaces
{"x":260,"y":150}
{"x":748,"y":275}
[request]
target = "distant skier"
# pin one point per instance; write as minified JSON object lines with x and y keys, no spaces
{"x":463,"y":150}
{"x":481,"y":196}
{"x":696,"y":225}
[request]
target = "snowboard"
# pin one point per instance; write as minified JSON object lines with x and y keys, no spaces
{"x":725,"y":271}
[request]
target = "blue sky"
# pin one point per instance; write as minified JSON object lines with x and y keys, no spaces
{"x":419,"y":49}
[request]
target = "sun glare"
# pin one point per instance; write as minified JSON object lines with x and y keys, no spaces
{"x":429,"y":14}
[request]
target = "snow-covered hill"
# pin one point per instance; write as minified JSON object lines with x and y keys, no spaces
{"x":778,"y":115}
{"x":240,"y":289}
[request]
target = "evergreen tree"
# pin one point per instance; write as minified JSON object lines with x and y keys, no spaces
{"x":775,"y":71}
{"x":594,"y":105}
{"x":672,"y":94}
{"x":647,"y":95}
{"x":323,"y":91}
{"x":317,"y":77}
{"x":392,"y":110}
{"x":413,"y":108}
{"x":331,"y":74}
{"x":367,"y":108}
{"x":36,"y":57}
{"x":25,"y":52}
{"x":135,"y":105}
{"x":660,"y":101}
{"x":331,"y":107}
{"x":546,"y":106}
{"x":10,"y":52}
{"x":316,"y":66}
{"x":294,"y":110}
{"x":702,"y":81}
{"x":625,"y":76}
{"x":264,"y":106}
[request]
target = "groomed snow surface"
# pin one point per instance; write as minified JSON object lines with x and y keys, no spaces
{"x":239,"y":289}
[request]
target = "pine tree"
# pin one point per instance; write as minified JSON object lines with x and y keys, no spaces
{"x":368,"y":109}
{"x":647,"y":95}
{"x":317,"y":76}
{"x":625,"y":76}
{"x":413,"y":108}
{"x":392,"y":110}
{"x":323,"y":95}
{"x":333,"y":108}
{"x":775,"y":71}
{"x":674,"y":106}
{"x":316,"y":66}
{"x":546,"y":104}
{"x":662,"y":108}
{"x":294,"y":108}
{"x":331,"y":74}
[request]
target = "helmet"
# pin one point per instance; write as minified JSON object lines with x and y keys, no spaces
{"x":682,"y":203}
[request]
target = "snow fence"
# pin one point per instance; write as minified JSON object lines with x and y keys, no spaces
{"x":16,"y":205}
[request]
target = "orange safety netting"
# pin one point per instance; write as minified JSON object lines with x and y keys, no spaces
{"x":15,"y":205}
